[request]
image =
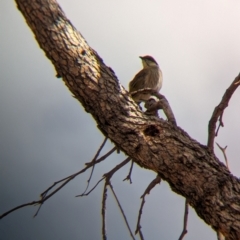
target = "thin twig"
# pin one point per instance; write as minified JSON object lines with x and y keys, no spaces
{"x":218,"y":112}
{"x":104,"y":199}
{"x":88,"y":165}
{"x":140,"y":234}
{"x":18,"y":207}
{"x":217,"y":115}
{"x":138,"y":227}
{"x":224,"y":154}
{"x":152,"y":184}
{"x":107,"y":177}
{"x":94,"y":159}
{"x":38,"y":210}
{"x":109,"y":174}
{"x":220,"y":124}
{"x":86,"y":194}
{"x":102,"y":158}
{"x":129,"y":174}
{"x":185,"y":219}
{"x":121,"y":209}
{"x":65,"y":180}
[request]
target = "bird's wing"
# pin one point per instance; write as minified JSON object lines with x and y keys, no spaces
{"x":138,"y":80}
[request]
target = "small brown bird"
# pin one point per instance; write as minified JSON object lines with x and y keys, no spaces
{"x":149,"y":77}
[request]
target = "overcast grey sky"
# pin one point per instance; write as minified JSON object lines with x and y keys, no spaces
{"x":46,"y":135}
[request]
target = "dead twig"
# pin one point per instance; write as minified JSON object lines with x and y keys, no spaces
{"x":107,"y":177}
{"x":152,"y":184}
{"x":104,"y":199}
{"x":44,"y":195}
{"x":224,"y":154}
{"x":121,"y":209}
{"x":89,"y":164}
{"x":94,"y":159}
{"x":217,"y":114}
{"x":184,"y":231}
{"x":86,"y":194}
{"x":129,"y":174}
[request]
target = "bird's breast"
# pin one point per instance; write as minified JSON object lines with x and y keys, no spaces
{"x":155,"y":79}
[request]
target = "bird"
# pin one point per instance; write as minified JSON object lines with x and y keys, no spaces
{"x":149,"y":77}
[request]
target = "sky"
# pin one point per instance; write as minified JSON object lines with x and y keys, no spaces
{"x":45,"y":134}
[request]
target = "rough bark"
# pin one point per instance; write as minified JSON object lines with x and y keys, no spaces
{"x":189,"y":167}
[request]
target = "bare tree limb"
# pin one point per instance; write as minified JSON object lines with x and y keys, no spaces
{"x":104,"y":199}
{"x":107,"y":177}
{"x":89,"y":164}
{"x":158,"y":145}
{"x":185,"y":219}
{"x":152,"y":184}
{"x":94,"y":159}
{"x":44,"y":196}
{"x":121,"y":209}
{"x":86,"y":194}
{"x":129,"y":174}
{"x":217,"y":114}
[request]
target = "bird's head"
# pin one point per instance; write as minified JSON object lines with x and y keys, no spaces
{"x":149,"y":61}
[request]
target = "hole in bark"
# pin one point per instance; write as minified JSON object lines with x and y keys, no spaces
{"x":151,"y":131}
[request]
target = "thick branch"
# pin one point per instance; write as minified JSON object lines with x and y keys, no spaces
{"x":189,"y":167}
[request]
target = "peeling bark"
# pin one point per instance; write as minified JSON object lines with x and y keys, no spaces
{"x":190,"y":168}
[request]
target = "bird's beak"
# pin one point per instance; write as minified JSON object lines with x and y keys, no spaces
{"x":140,"y":57}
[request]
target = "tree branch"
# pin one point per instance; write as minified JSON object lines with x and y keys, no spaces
{"x":224,"y":154}
{"x":93,"y":161}
{"x":44,"y":197}
{"x":107,"y":177}
{"x":218,"y":112}
{"x":184,"y":231}
{"x":162,"y":103}
{"x":151,"y":185}
{"x":129,"y":174}
{"x":189,"y":167}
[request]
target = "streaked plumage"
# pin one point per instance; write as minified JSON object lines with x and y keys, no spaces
{"x":149,"y":77}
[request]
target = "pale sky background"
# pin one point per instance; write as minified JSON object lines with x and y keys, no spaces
{"x":46,"y":135}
